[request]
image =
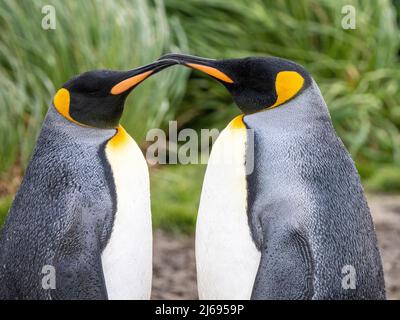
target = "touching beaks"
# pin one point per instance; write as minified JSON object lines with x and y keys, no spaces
{"x":133,"y":77}
{"x":208,"y":66}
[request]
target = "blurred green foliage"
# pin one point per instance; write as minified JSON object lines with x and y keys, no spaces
{"x":358,"y":72}
{"x":385,"y":178}
{"x":175,"y":196}
{"x":5,"y":204}
{"x":89,"y":35}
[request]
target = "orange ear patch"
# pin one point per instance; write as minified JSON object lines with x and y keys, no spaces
{"x":130,"y":82}
{"x":211,"y":71}
{"x":287,"y":85}
{"x":61,"y":102}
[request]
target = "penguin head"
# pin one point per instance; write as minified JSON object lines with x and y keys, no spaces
{"x":255,"y":83}
{"x":97,"y":98}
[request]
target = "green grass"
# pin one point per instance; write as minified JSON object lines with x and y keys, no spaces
{"x":175,"y":195}
{"x":5,"y":204}
{"x":384,"y":179}
{"x":358,"y":70}
{"x":89,"y":35}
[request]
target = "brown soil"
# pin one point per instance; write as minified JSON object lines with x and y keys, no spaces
{"x":386,"y":213}
{"x":10,"y":181}
{"x":174,"y":262}
{"x":174,"y":274}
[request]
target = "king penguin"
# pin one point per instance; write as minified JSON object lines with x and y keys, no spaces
{"x":81,"y":217}
{"x":284,"y":216}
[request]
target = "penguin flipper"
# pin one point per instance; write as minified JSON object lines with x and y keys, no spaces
{"x":80,"y":277}
{"x":286,"y":267}
{"x":78,"y":267}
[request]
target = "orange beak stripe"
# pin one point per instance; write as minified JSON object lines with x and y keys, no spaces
{"x":211,"y":71}
{"x":129,"y":83}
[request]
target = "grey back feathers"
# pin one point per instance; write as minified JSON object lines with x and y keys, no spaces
{"x":306,"y":207}
{"x":65,"y":204}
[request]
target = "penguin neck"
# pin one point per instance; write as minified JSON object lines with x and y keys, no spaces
{"x":58,"y":124}
{"x":286,"y":140}
{"x":295,"y":116}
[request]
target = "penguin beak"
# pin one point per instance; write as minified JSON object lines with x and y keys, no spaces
{"x":133,"y":77}
{"x":208,"y":66}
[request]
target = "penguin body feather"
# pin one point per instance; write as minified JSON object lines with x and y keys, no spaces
{"x":307,"y":209}
{"x":63,"y":216}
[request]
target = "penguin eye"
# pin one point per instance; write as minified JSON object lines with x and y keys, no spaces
{"x":90,"y":90}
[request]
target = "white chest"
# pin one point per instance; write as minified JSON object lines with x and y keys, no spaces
{"x":127,"y":258}
{"x":226,"y":256}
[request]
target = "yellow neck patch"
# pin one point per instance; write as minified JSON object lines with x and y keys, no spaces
{"x":237,"y":123}
{"x":287,"y":85}
{"x":121,"y":139}
{"x":61,"y":102}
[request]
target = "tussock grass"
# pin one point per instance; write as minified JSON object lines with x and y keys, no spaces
{"x":175,"y":196}
{"x":358,"y":70}
{"x":5,"y":204}
{"x":89,"y":35}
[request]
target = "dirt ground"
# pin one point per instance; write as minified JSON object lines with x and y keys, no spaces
{"x":174,"y":262}
{"x":386,"y":214}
